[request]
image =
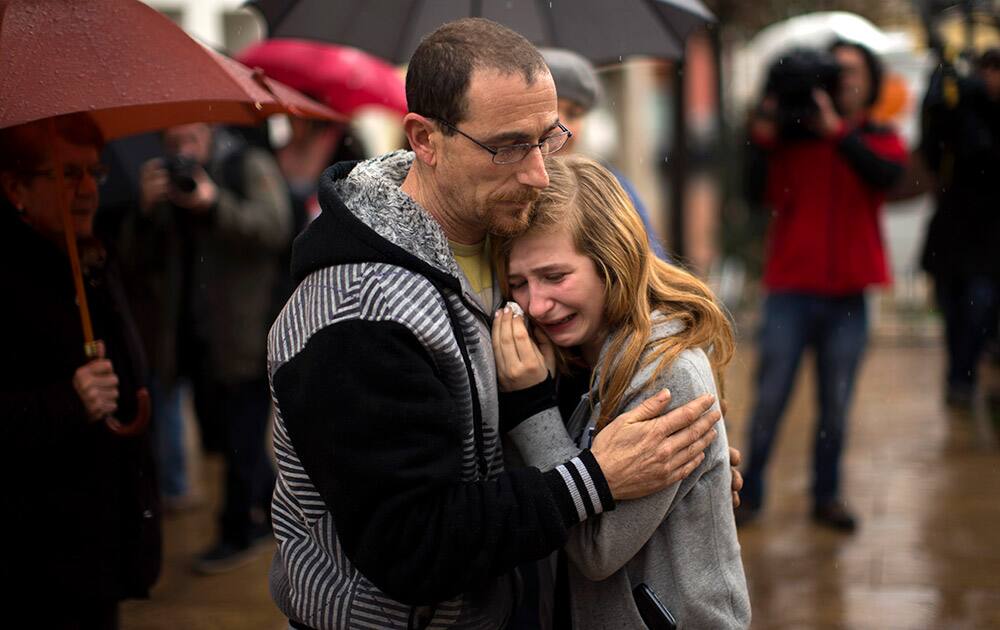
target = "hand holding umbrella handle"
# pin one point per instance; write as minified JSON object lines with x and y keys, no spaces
{"x":94,"y":350}
{"x":139,"y":423}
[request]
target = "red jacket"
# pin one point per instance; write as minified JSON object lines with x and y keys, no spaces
{"x":825,"y":196}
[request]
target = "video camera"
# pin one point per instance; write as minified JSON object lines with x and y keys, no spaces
{"x":181,"y":170}
{"x":792,"y":79}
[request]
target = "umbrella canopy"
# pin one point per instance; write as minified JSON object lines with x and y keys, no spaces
{"x":344,"y":78}
{"x":819,"y":30}
{"x":812,"y":30}
{"x":600,"y":30}
{"x":129,"y":67}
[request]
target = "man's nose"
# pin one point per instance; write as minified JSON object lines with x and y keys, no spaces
{"x":532,"y":171}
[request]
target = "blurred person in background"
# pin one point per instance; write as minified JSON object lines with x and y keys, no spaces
{"x":961,"y":146}
{"x":312,"y":146}
{"x":119,"y":201}
{"x":822,"y":173}
{"x":82,"y":503}
{"x":213,"y":220}
{"x":579,"y":92}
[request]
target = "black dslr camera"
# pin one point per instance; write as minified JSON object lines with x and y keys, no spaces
{"x":181,"y":170}
{"x":791,"y":79}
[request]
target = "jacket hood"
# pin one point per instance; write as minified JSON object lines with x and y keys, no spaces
{"x":367,"y":218}
{"x":662,"y":328}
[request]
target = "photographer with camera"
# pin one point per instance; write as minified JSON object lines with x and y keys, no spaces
{"x":213,"y":220}
{"x":820,"y":169}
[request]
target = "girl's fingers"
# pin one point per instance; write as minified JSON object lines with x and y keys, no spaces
{"x":508,"y":335}
{"x":526,"y":348}
{"x":504,"y":344}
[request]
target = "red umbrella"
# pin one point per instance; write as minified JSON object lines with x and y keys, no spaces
{"x":128,"y":66}
{"x":344,"y":78}
{"x":132,"y":70}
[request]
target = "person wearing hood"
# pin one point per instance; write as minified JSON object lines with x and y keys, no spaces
{"x":393,"y":508}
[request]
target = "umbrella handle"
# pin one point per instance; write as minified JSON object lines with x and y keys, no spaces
{"x":139,"y":423}
{"x":141,"y":420}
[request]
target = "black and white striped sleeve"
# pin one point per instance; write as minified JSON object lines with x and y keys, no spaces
{"x":580,"y":488}
{"x":376,"y":432}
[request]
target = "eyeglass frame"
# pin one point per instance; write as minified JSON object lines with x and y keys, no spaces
{"x":526,"y":146}
{"x":73,"y":175}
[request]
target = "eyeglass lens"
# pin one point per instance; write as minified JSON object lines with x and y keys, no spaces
{"x":551,"y":144}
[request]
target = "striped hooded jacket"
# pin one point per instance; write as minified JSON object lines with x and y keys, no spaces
{"x":392,"y":507}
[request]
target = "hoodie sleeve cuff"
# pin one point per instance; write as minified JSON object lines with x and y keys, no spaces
{"x":516,"y":407}
{"x":580,"y":488}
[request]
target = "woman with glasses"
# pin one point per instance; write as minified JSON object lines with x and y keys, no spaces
{"x":598,"y":299}
{"x":80,"y":501}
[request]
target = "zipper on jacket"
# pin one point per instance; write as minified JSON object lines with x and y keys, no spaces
{"x":577,"y":420}
{"x":477,"y":412}
{"x":473,"y":306}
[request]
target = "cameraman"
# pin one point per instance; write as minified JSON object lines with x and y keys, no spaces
{"x":824,"y":186}
{"x":214,"y":218}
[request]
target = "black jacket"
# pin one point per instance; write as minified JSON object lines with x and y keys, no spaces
{"x":392,"y":503}
{"x":961,"y":145}
{"x":82,"y":510}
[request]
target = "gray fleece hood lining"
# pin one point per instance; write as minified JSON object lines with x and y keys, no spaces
{"x":372,"y":189}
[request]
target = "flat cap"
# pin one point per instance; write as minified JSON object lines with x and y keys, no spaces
{"x":574,"y":76}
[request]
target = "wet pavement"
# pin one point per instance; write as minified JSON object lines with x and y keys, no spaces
{"x":924,"y":482}
{"x":183,"y":600}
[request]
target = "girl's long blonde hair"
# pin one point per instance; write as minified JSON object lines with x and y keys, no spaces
{"x":586,"y":198}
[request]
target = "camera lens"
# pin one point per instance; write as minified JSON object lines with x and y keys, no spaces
{"x":181,"y":171}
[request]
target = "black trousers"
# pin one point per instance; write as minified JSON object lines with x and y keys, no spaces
{"x":970,"y":305}
{"x":238,"y":414}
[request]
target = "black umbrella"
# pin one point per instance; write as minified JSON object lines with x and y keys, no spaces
{"x":601,"y":30}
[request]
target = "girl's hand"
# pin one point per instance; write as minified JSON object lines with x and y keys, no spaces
{"x":520,"y":363}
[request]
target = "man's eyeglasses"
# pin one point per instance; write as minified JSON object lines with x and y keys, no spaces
{"x":517,"y":152}
{"x":73,"y":174}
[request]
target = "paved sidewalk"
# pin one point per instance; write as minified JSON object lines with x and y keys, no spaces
{"x":926,"y":485}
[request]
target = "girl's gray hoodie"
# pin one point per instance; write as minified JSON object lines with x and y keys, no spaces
{"x":681,"y":541}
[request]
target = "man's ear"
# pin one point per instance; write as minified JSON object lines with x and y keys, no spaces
{"x":424,"y":137}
